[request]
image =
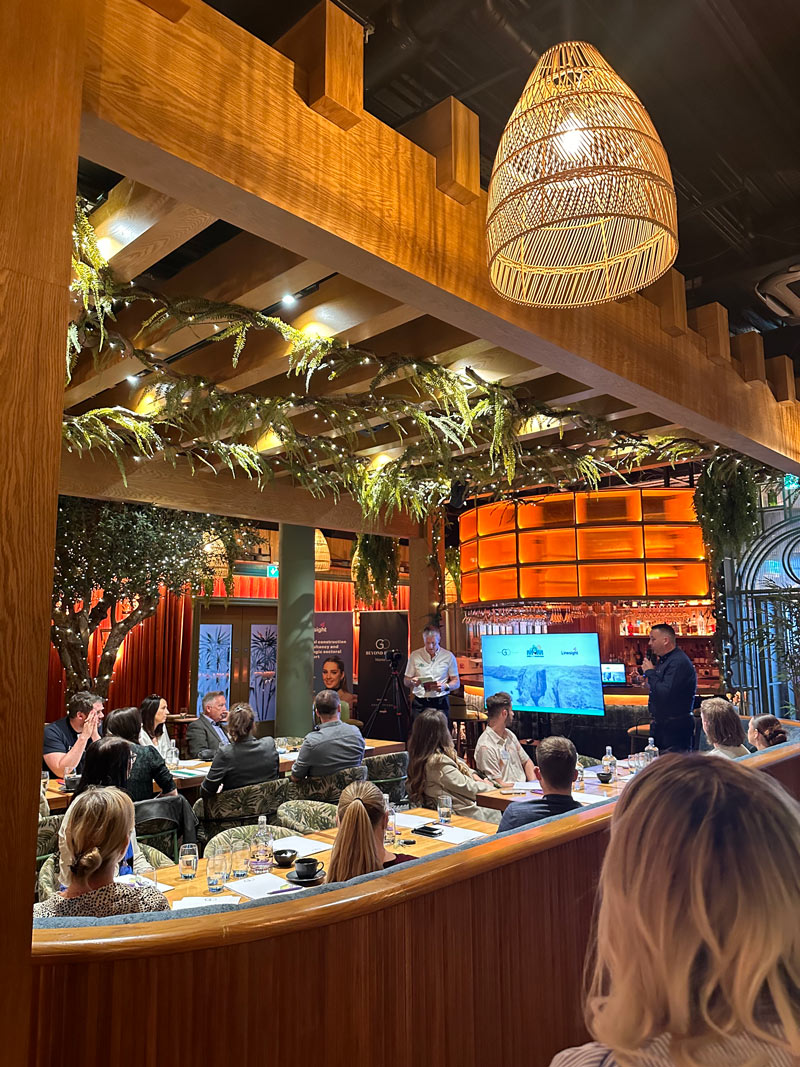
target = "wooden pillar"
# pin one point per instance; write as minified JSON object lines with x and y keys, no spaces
{"x":40,"y":87}
{"x":423,"y":592}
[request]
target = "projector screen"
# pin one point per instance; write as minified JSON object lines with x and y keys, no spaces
{"x":545,"y":672}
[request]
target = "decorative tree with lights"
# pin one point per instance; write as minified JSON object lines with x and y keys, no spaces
{"x":124,"y":556}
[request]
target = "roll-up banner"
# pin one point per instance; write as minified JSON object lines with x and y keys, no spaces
{"x":333,"y":636}
{"x":379,"y":680}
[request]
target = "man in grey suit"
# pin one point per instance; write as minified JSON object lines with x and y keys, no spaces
{"x":205,"y":735}
{"x":330,"y":747}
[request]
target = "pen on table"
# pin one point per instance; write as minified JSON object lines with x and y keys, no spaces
{"x":284,"y":889}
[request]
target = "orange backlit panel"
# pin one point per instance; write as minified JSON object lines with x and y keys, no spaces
{"x":546,"y":546}
{"x":557,"y":509}
{"x":548,"y":582}
{"x":611,"y":579}
{"x":468,"y":525}
{"x":500,"y":551}
{"x":668,"y":505}
{"x":677,"y":579}
{"x":495,"y":518}
{"x":469,"y":588}
{"x":617,"y":505}
{"x":674,"y":542}
{"x":499,"y":585}
{"x":610,"y":542}
{"x":469,"y":556}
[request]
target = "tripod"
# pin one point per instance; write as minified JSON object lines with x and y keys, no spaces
{"x":393,"y":698}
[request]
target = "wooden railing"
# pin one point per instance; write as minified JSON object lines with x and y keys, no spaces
{"x":465,"y":960}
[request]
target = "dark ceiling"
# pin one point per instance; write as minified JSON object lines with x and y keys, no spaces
{"x":719,"y":78}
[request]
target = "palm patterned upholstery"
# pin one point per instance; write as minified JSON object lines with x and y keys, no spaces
{"x":241,"y":837}
{"x":389,"y":773}
{"x":47,"y":839}
{"x":327,"y":788}
{"x":48,"y":884}
{"x":588,"y":761}
{"x":307,"y":816}
{"x":238,"y":807}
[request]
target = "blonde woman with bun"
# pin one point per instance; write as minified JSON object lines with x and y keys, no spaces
{"x":362,"y":817}
{"x":96,"y":839}
{"x":697,"y":956}
{"x":764,"y":731}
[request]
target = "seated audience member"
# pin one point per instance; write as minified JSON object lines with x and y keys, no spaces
{"x":205,"y":735}
{"x":434,"y":769}
{"x":147,"y":763}
{"x":723,"y":728}
{"x":330,"y":747}
{"x":710,"y":979}
{"x":358,"y":849}
{"x":247,"y":760}
{"x":764,"y":731}
{"x":66,"y":740}
{"x":108,"y":762}
{"x":334,"y":677}
{"x":154,"y":712}
{"x":498,"y":753}
{"x":556,"y":771}
{"x":97,"y":837}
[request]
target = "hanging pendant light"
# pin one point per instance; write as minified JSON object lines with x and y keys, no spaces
{"x":581,"y":206}
{"x":322,"y":553}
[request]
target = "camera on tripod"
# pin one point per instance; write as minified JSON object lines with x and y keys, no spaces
{"x":395,"y":657}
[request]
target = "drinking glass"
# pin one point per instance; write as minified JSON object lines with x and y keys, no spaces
{"x":227,"y":855}
{"x":146,"y":878}
{"x":444,"y":808}
{"x":240,"y":865}
{"x":216,"y":868}
{"x":187,"y":861}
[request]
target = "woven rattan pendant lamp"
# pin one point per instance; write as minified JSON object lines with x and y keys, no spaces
{"x":581,"y":203}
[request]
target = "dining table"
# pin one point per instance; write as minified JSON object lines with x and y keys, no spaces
{"x":588,"y":791}
{"x":407,"y":842}
{"x":190,"y":774}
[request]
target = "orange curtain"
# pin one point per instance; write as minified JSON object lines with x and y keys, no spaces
{"x":156,"y":656}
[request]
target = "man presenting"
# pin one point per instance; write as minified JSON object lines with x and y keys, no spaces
{"x":498,"y":753}
{"x":431,"y":674}
{"x":673,"y":684}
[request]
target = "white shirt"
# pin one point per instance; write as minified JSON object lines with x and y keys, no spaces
{"x":163,"y":742}
{"x":439,"y":669}
{"x":489,"y":756}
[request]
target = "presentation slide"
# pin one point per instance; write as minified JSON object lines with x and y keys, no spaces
{"x":613,"y":673}
{"x":545,"y":672}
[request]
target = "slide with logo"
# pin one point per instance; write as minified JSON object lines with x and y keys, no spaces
{"x":545,"y":672}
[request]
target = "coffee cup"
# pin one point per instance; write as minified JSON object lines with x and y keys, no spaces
{"x":71,"y":782}
{"x":284,"y":857}
{"x":604,"y":777}
{"x":307,"y":869}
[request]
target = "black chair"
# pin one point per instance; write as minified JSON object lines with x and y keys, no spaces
{"x":165,"y":823}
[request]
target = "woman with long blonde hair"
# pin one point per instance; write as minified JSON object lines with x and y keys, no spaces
{"x":697,"y":957}
{"x":362,"y":816}
{"x":96,"y":838}
{"x":723,"y":728}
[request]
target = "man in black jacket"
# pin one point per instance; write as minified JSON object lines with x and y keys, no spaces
{"x":673,"y":684}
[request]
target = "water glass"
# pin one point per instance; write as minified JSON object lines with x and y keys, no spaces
{"x":173,"y":758}
{"x":240,"y":861}
{"x":146,"y":878}
{"x":444,"y":808}
{"x":187,"y":861}
{"x":216,"y":872}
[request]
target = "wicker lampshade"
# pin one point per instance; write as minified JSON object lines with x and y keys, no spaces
{"x":581,"y":203}
{"x":322,"y":554}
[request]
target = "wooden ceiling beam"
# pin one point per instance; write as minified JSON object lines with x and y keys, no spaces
{"x":366,"y":201}
{"x":156,"y":482}
{"x":136,"y":226}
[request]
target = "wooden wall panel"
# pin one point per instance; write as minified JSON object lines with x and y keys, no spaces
{"x":40,"y":89}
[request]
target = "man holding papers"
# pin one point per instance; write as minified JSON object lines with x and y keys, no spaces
{"x":498,"y":753}
{"x":556,"y":771}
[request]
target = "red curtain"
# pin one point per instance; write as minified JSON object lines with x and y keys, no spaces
{"x":156,"y":656}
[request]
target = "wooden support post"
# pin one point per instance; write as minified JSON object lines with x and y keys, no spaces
{"x":669,"y":296}
{"x":450,"y":132}
{"x":711,"y":322}
{"x":748,"y":349}
{"x":40,"y":86}
{"x":174,"y":10}
{"x":327,"y":48}
{"x":423,"y":592}
{"x":780,"y":375}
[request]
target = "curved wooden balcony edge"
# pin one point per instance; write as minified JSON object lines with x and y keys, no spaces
{"x":102,"y":943}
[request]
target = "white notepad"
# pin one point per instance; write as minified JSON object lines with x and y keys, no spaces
{"x":303,"y":846}
{"x":413,"y":821}
{"x":204,"y":902}
{"x":456,"y":835}
{"x":260,"y":885}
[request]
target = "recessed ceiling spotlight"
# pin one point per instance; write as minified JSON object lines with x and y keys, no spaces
{"x":288,"y":299}
{"x":132,"y":379}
